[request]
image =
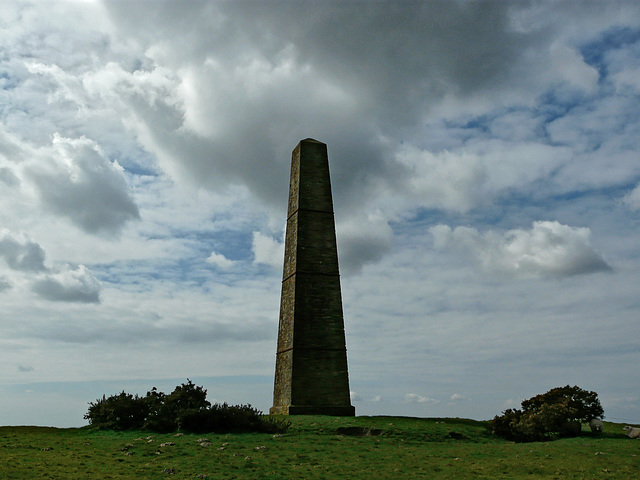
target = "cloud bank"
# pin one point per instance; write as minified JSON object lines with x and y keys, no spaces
{"x":547,"y":249}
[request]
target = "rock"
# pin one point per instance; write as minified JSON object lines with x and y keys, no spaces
{"x":358,"y":432}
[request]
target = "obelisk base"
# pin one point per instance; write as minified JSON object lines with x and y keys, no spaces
{"x":346,"y":411}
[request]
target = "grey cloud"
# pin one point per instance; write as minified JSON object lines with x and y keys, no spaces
{"x":4,"y":284}
{"x":345,"y":73}
{"x":548,"y":249}
{"x":361,"y":243}
{"x":79,"y":183}
{"x":20,"y":252}
{"x":183,"y":331}
{"x":8,"y":177}
{"x":69,"y":285}
{"x":61,"y":283}
{"x":252,"y":78}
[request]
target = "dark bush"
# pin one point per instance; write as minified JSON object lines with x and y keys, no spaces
{"x":119,"y":412}
{"x":186,"y":408}
{"x":557,"y":413}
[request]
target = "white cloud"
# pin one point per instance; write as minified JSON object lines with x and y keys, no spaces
{"x":548,"y":249}
{"x":457,"y":397}
{"x":416,"y":398}
{"x":632,"y":199}
{"x":69,"y":284}
{"x":569,"y":64}
{"x":75,"y":180}
{"x":444,"y":180}
{"x":220,"y":261}
{"x":267,"y":250}
{"x":26,"y":258}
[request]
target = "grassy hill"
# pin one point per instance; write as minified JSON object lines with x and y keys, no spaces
{"x":316,"y":447}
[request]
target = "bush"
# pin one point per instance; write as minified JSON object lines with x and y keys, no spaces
{"x":557,"y":413}
{"x":119,"y":412}
{"x":186,"y":408}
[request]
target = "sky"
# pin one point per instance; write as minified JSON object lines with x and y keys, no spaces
{"x":486,"y":183}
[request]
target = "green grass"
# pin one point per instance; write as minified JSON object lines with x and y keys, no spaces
{"x":407,"y":448}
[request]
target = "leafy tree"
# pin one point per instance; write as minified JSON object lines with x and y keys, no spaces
{"x":554,"y":414}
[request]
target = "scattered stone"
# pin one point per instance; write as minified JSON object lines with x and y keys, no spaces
{"x":169,"y":471}
{"x":203,"y":440}
{"x":202,"y":475}
{"x":222,"y":448}
{"x":600,"y":453}
{"x":179,"y":435}
{"x":277,"y":435}
{"x":247,"y":458}
{"x":261,"y":447}
{"x":167,"y":444}
{"x":46,"y":449}
{"x":204,"y":444}
{"x":358,"y":432}
{"x":150,"y":437}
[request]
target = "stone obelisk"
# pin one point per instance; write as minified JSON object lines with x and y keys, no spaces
{"x":311,"y":375}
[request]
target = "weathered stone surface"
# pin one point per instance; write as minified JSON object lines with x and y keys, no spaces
{"x":311,"y":361}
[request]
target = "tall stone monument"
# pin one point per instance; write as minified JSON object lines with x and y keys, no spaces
{"x":311,"y":375}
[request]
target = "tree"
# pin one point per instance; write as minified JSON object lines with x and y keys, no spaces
{"x":554,"y":414}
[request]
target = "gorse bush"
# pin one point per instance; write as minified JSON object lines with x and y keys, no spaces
{"x":186,"y":408}
{"x":557,"y":413}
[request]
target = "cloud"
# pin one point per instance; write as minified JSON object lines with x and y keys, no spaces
{"x":362,"y":241}
{"x":8,"y":177}
{"x":548,"y":249}
{"x":267,"y":250}
{"x":456,"y":397}
{"x":26,"y":258}
{"x":220,"y":261}
{"x":20,"y":252}
{"x":75,"y":180}
{"x":69,"y":284}
{"x":415,"y":398}
{"x":632,"y":199}
{"x":5,"y":284}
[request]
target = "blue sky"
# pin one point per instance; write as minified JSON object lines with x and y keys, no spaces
{"x":486,"y":180}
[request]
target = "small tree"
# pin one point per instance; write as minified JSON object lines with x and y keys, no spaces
{"x":554,"y":414}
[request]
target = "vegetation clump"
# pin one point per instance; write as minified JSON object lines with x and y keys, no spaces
{"x":557,"y":413}
{"x":186,"y":409}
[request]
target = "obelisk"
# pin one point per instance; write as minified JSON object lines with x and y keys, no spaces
{"x":311,"y":375}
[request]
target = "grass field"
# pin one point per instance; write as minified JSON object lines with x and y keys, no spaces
{"x":400,"y":448}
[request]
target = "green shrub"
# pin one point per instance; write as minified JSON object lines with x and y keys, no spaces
{"x":557,"y":413}
{"x":186,"y":408}
{"x":119,"y":412}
